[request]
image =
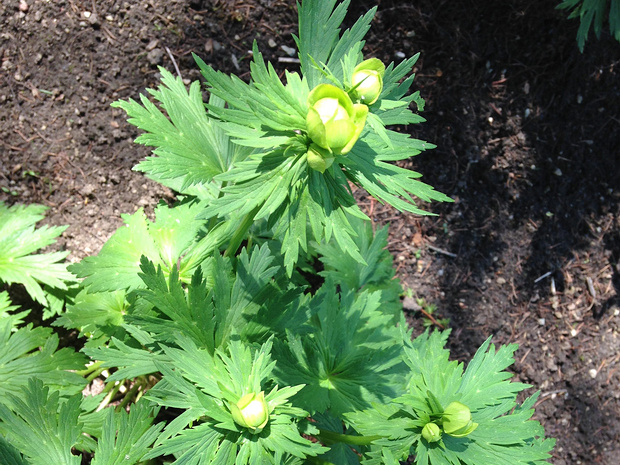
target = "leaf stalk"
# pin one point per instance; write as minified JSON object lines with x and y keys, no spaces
{"x":241,"y":233}
{"x":331,"y":437}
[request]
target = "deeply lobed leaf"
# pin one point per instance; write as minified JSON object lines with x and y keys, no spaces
{"x":19,"y":240}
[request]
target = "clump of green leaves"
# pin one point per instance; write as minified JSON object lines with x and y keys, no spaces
{"x":428,"y":312}
{"x":257,"y":321}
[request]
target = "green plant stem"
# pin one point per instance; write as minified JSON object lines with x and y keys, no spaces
{"x":95,"y":374}
{"x":241,"y":233}
{"x":93,"y":367}
{"x":213,"y":220}
{"x":129,"y":396}
{"x":113,"y":389}
{"x":331,"y":437}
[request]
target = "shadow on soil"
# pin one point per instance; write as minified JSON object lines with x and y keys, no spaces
{"x":528,"y":137}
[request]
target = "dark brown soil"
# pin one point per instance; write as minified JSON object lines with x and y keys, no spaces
{"x":528,"y":136}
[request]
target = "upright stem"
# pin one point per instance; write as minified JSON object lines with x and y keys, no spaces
{"x":241,"y":233}
{"x":113,"y":389}
{"x":213,"y":220}
{"x":129,"y":396}
{"x":95,"y":374}
{"x":93,"y":367}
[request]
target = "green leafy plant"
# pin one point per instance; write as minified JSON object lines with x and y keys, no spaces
{"x":258,"y":321}
{"x":593,"y":13}
{"x":428,"y":311}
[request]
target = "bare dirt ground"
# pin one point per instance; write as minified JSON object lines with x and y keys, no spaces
{"x":528,"y":144}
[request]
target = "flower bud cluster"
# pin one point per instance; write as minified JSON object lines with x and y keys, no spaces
{"x":455,"y":421}
{"x":334,"y":122}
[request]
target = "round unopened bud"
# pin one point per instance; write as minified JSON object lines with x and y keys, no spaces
{"x":251,"y":411}
{"x":457,"y":420}
{"x":329,"y":109}
{"x":367,"y":81}
{"x":319,"y":159}
{"x":431,"y":432}
{"x":334,"y":122}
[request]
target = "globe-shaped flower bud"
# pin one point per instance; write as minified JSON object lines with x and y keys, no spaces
{"x":334,"y":122}
{"x":457,"y":420}
{"x":251,"y":411}
{"x":319,"y":159}
{"x":367,"y":81}
{"x":431,"y":432}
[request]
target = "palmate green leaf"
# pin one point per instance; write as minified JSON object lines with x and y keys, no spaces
{"x":283,"y":309}
{"x":41,"y":427}
{"x":130,"y":361}
{"x":117,"y":264}
{"x":485,"y":381}
{"x":261,"y":184}
{"x":388,"y":420}
{"x":126,"y":437}
{"x":376,"y":274}
{"x":350,"y":361}
{"x":593,"y":13}
{"x":290,"y":100}
{"x":9,"y":455}
{"x":201,"y":445}
{"x":174,"y":238}
{"x":505,"y":433}
{"x":7,"y":310}
{"x":58,"y":299}
{"x":32,"y":352}
{"x":384,"y":454}
{"x":189,"y":312}
{"x":282,"y":189}
{"x":206,"y":445}
{"x":97,"y":315}
{"x":349,"y":47}
{"x":189,"y":148}
{"x":431,"y":369}
{"x":208,"y":314}
{"x":320,"y":209}
{"x":92,"y":417}
{"x":319,"y":18}
{"x":366,"y":166}
{"x":253,"y":288}
{"x":266,"y":106}
{"x":399,"y":114}
{"x":396,"y":86}
{"x":19,"y":240}
{"x":204,"y":385}
{"x":243,"y":299}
